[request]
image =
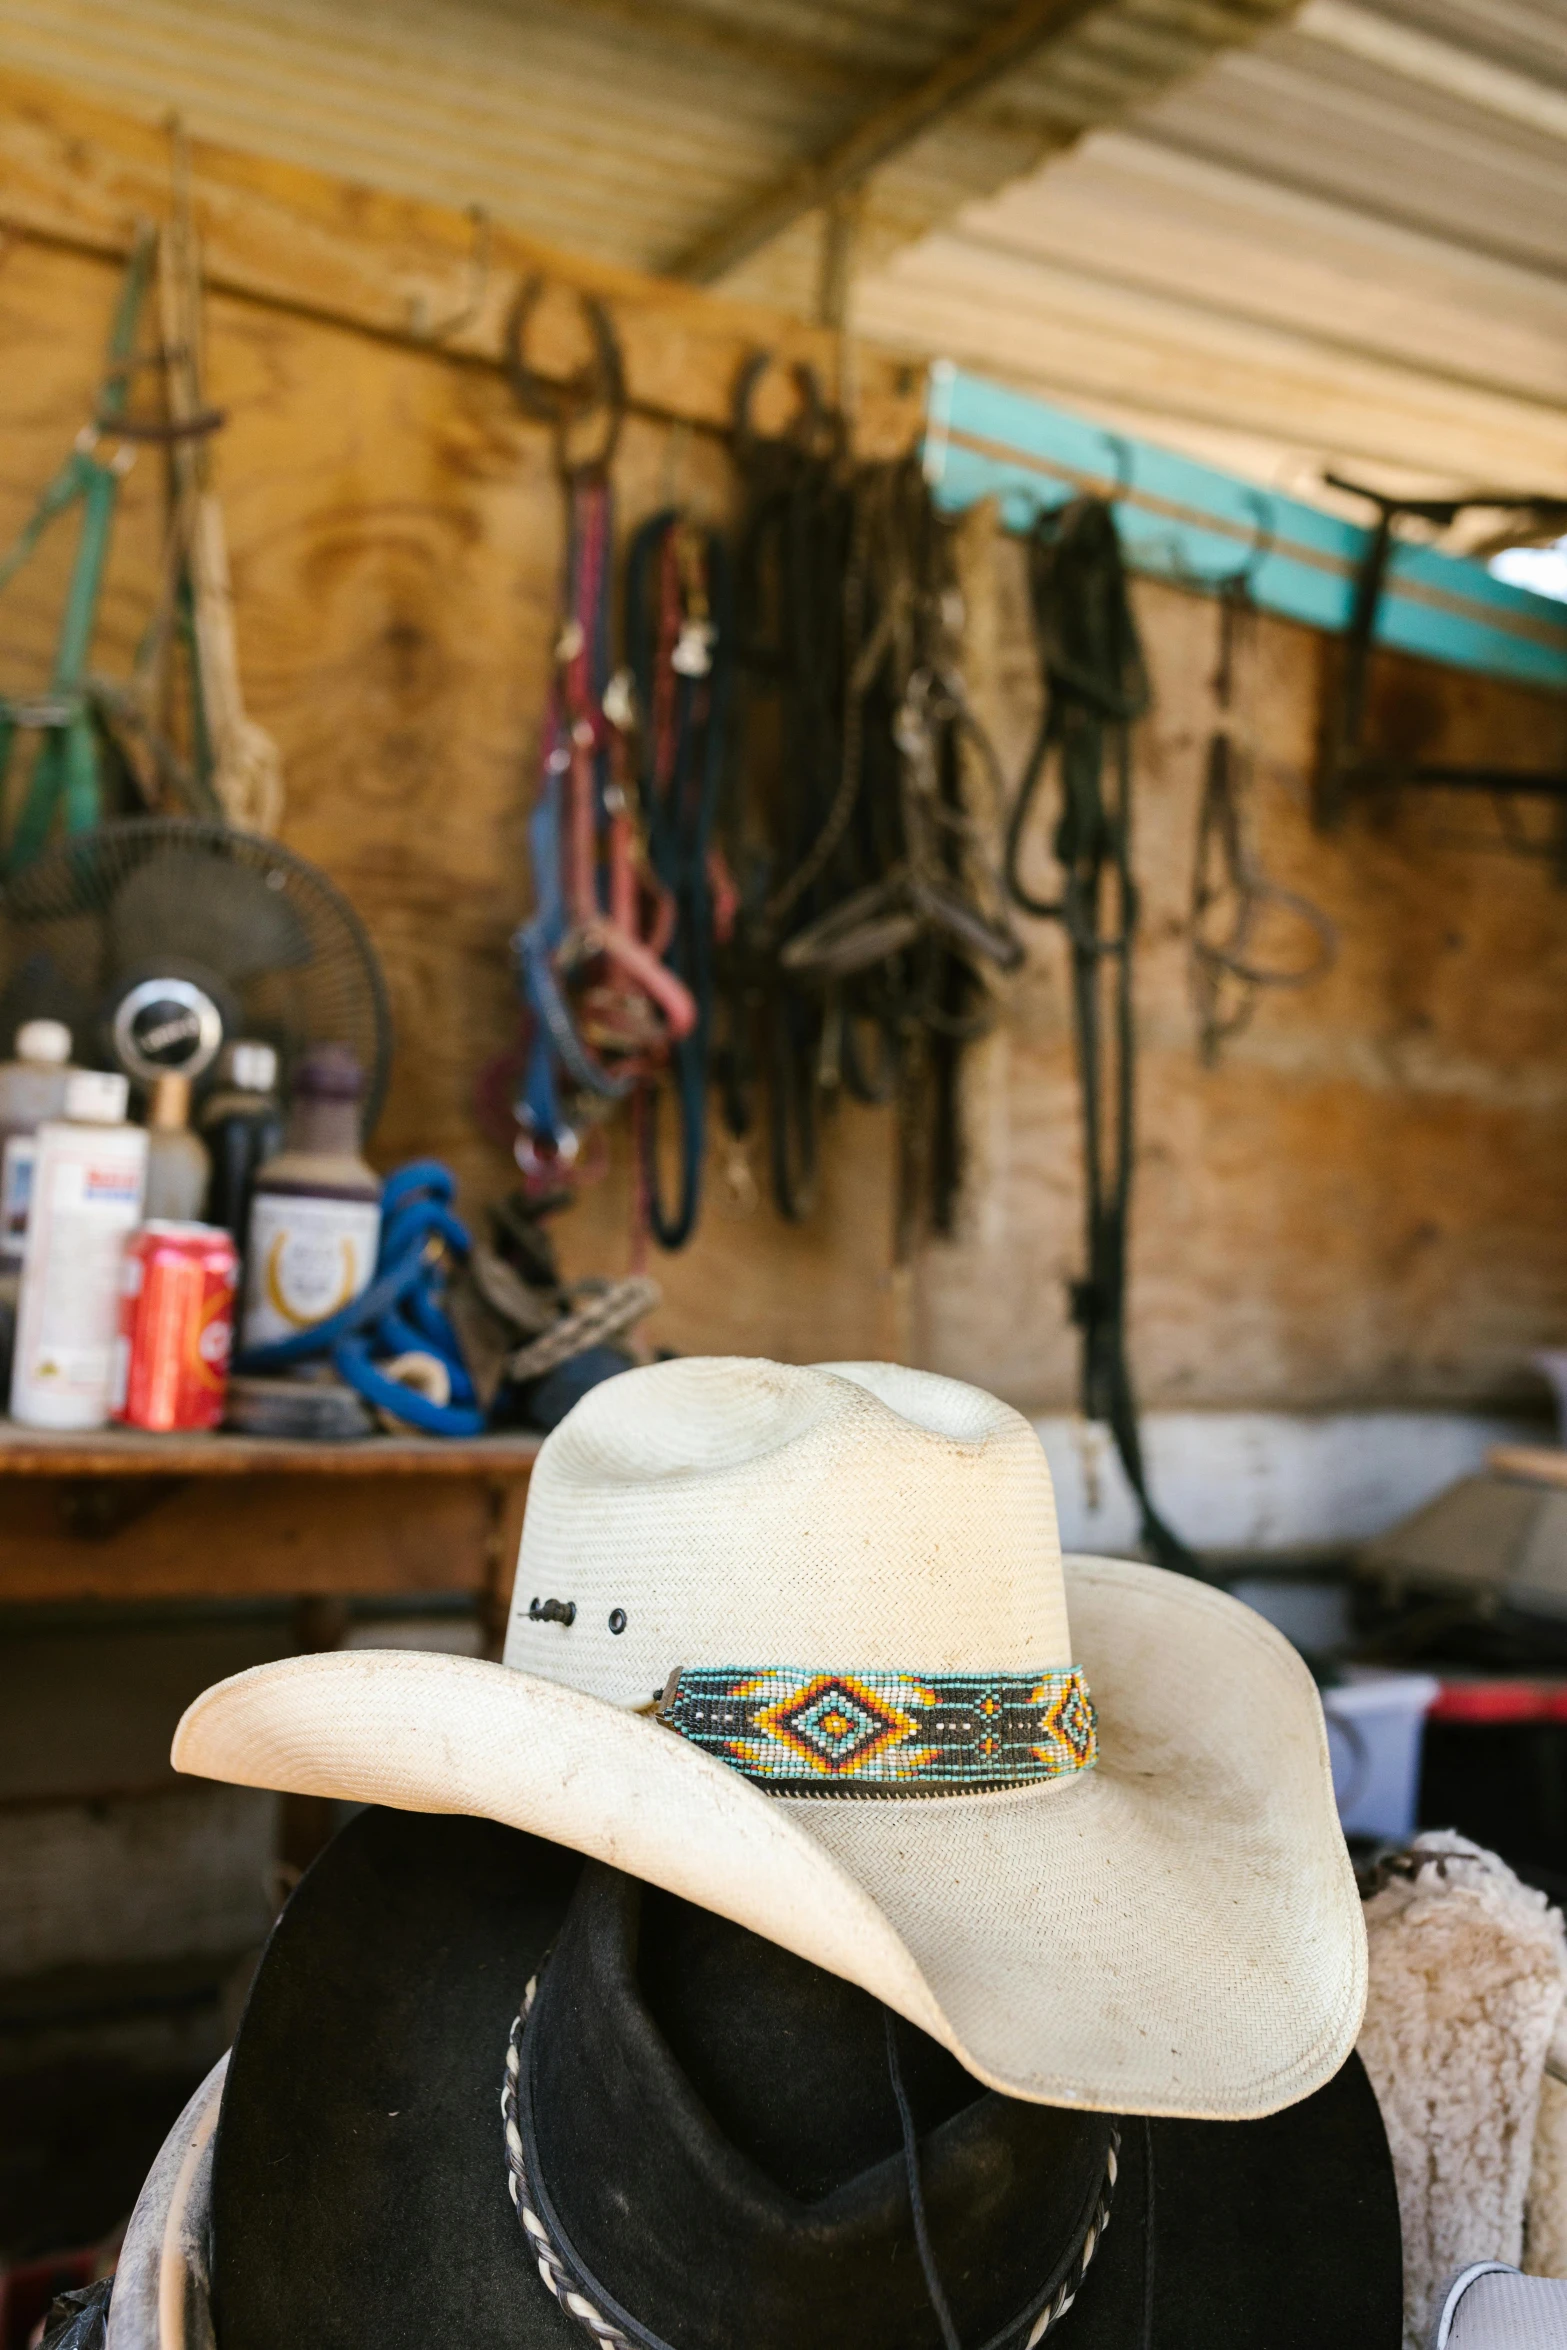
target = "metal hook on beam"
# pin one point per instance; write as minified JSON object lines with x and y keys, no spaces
{"x":426,"y":329}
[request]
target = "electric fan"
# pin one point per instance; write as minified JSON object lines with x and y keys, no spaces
{"x":157,"y":940}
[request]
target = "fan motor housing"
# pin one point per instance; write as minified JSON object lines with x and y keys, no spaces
{"x":166,"y":1026}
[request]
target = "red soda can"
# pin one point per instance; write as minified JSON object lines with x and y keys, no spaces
{"x":176,"y":1326}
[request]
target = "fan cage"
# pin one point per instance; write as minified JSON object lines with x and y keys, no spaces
{"x":57,"y":957}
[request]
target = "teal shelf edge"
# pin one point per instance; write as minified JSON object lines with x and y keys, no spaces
{"x":1195,"y":526}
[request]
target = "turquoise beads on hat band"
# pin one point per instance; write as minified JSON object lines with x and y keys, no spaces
{"x":796,"y":1730}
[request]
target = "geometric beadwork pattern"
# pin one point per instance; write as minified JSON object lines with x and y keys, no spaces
{"x":885,"y":1732}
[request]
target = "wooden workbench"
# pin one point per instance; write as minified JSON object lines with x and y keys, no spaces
{"x":122,"y":1515}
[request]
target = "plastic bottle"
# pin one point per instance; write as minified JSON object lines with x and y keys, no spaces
{"x":242,"y":1124}
{"x":88,"y":1178}
{"x":315,"y":1213}
{"x":32,"y":1088}
{"x":178,"y":1168}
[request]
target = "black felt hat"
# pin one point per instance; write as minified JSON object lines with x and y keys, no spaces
{"x":707,"y":2142}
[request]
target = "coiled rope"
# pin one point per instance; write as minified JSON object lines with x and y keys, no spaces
{"x":400,"y":1313}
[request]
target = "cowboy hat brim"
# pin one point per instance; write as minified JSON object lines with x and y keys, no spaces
{"x":1175,"y":1933}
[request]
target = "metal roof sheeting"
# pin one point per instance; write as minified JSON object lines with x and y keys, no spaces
{"x":617,"y":128}
{"x":1273,"y":239}
{"x":1342,"y":245}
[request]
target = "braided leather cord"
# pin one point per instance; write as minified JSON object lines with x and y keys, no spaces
{"x":569,"y":2288}
{"x":553,"y":2270}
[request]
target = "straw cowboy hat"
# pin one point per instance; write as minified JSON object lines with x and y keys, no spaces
{"x":799,"y":1647}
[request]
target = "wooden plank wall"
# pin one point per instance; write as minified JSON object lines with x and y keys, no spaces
{"x":1364,"y":1202}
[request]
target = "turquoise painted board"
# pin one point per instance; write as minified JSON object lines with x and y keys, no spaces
{"x":1195,"y":526}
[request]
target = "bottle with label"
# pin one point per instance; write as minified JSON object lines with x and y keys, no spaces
{"x":178,"y":1168}
{"x":242,"y":1126}
{"x":32,"y":1088}
{"x":315,"y":1214}
{"x":88,"y":1177}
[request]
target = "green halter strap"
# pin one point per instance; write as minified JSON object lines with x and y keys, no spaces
{"x":66,"y":778}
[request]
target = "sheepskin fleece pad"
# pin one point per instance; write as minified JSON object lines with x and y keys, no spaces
{"x":1468,"y":1973}
{"x":1545,"y":2227}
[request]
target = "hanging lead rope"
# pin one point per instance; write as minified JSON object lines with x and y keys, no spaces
{"x":677,"y":623}
{"x":789,"y":630}
{"x":604,"y":1004}
{"x":1096,"y":688}
{"x":1233,"y":899}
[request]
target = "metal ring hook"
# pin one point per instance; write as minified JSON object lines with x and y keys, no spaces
{"x":600,"y":385}
{"x":1125,"y":457}
{"x":1239,"y":582}
{"x":816,"y":428}
{"x":1265,"y":529}
{"x":426,"y":329}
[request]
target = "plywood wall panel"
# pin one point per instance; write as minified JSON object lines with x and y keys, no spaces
{"x":1365,"y":1201}
{"x":396,"y":539}
{"x":55,"y":315}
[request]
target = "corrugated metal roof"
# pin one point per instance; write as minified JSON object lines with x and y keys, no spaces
{"x":1339,"y":241}
{"x":619,"y":128}
{"x":1341,"y":245}
{"x":1100,"y":71}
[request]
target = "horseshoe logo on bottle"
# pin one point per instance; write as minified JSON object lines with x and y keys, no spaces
{"x":277,"y":1296}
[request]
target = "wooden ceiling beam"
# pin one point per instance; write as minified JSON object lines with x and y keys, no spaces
{"x":883,"y":133}
{"x":77,"y":174}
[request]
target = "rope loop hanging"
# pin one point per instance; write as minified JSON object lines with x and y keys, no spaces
{"x":679,"y":632}
{"x":602,"y":1002}
{"x":1096,"y":687}
{"x":400,"y":1315}
{"x":1234,"y":902}
{"x":615,"y":962}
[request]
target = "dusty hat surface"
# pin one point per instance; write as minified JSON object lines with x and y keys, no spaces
{"x":877,"y":1753}
{"x":707,"y":2133}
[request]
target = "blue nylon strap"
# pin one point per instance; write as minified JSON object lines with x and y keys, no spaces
{"x":400,"y":1312}
{"x":555,"y":1048}
{"x":533,"y":947}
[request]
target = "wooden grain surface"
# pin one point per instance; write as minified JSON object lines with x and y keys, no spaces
{"x":132,"y":1452}
{"x":396,"y":538}
{"x":1363,"y":1203}
{"x":264,"y":1537}
{"x":78,"y":174}
{"x":1538,"y":1464}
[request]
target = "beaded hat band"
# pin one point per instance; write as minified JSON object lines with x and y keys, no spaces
{"x":805,"y":1731}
